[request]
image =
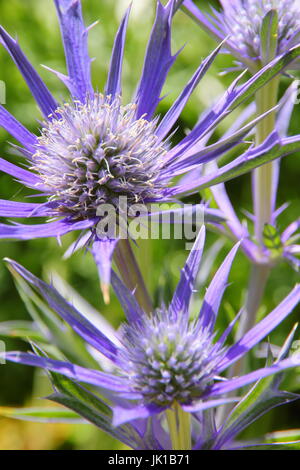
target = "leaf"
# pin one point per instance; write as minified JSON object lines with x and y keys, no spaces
{"x":272,"y":240}
{"x":278,"y":65}
{"x":278,"y":446}
{"x":284,"y":436}
{"x":88,"y":405}
{"x":41,"y":414}
{"x":269,"y":36}
{"x":255,"y":404}
{"x":51,"y":328}
{"x":261,"y":398}
{"x":21,"y":329}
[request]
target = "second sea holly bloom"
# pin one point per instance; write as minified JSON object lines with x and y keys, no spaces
{"x":246,"y":23}
{"x":162,"y":371}
{"x":95,"y":148}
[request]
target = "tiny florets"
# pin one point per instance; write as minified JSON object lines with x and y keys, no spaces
{"x":244,"y":23}
{"x":90,"y":154}
{"x":170,"y":361}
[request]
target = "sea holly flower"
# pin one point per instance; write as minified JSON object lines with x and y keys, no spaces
{"x":165,"y":364}
{"x":256,"y":30}
{"x":95,"y":148}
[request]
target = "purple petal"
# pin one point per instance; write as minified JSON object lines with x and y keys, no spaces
{"x":183,"y":293}
{"x":64,"y":79}
{"x":293,"y":260}
{"x":82,"y":240}
{"x":235,"y":383}
{"x":213,"y":297}
{"x":19,"y":132}
{"x":222,"y":199}
{"x":209,"y":120}
{"x":202,"y":19}
{"x":26,"y":177}
{"x":188,"y":214}
{"x":124,"y":415}
{"x":74,"y":35}
{"x":230,"y":5}
{"x":261,"y":329}
{"x":174,"y":112}
{"x":113,"y":86}
{"x":234,"y":96}
{"x":127,"y":299}
{"x":158,"y":62}
{"x":221,"y":341}
{"x":242,"y":118}
{"x":23,"y":209}
{"x":90,"y":376}
{"x":65,"y":310}
{"x":273,"y":147}
{"x":290,"y":230}
{"x":36,"y":85}
{"x":286,"y":106}
{"x":194,"y":156}
{"x":237,"y":229}
{"x":205,"y":405}
{"x":51,"y":229}
{"x":103,"y":250}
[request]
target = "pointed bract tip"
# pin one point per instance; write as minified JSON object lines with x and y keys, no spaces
{"x":105,"y":292}
{"x":10,"y":265}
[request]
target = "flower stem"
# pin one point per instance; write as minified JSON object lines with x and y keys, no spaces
{"x":266,"y":98}
{"x":179,"y":423}
{"x":131,"y":274}
{"x":263,"y":199}
{"x":258,"y":280}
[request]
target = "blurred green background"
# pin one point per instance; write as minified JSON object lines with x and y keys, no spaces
{"x":34,"y":23}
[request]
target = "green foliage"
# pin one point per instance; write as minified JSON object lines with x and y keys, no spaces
{"x":42,"y":414}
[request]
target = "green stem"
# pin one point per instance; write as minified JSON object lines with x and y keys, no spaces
{"x":266,"y":99}
{"x":131,"y":274}
{"x":179,"y":423}
{"x":258,"y":280}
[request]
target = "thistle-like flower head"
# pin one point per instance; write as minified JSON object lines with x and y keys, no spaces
{"x":91,"y":154}
{"x":170,"y":361}
{"x":257,"y":31}
{"x":244,"y":21}
{"x":94,"y":148}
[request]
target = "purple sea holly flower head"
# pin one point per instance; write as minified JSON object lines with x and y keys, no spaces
{"x":95,"y":148}
{"x":166,"y":363}
{"x":247,"y":22}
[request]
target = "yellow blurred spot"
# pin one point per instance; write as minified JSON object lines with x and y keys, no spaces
{"x":105,"y":293}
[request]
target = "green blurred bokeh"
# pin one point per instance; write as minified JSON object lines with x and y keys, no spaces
{"x":35,"y":24}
